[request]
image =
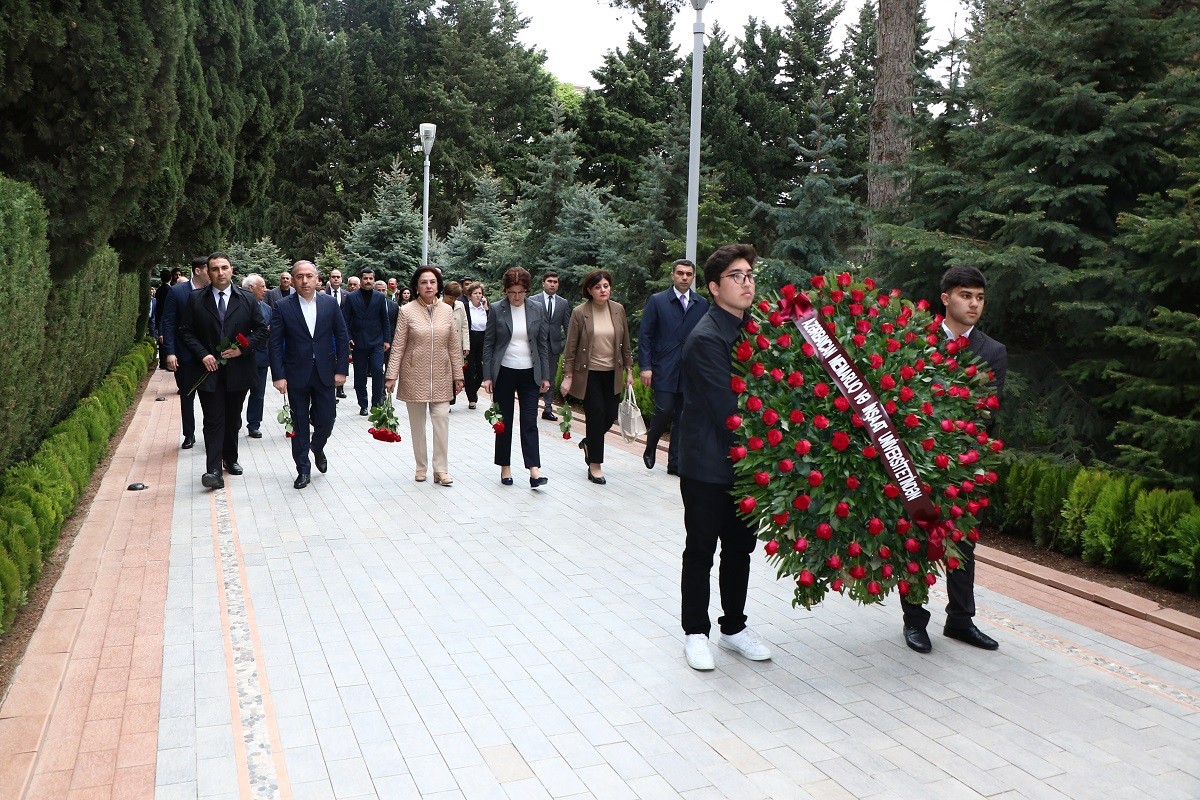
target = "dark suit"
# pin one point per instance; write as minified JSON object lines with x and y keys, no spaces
{"x":706,"y":477}
{"x":188,"y":371}
{"x":475,"y":357}
{"x":223,"y":392}
{"x":665,"y":326}
{"x":960,"y":583}
{"x":524,"y":383}
{"x":559,"y":316}
{"x":276,"y":294}
{"x":367,"y":321}
{"x":340,"y":298}
{"x":308,"y":363}
{"x":262,"y":360}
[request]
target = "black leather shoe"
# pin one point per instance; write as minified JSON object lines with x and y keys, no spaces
{"x":301,"y":481}
{"x":917,"y":639}
{"x":362,"y":412}
{"x":341,"y":394}
{"x":583,"y":447}
{"x":972,"y":636}
{"x":255,"y":434}
{"x":321,"y":462}
{"x":648,"y":457}
{"x":537,"y":483}
{"x":188,"y":443}
{"x":550,"y":415}
{"x":212,"y":480}
{"x":234,"y":469}
{"x":594,"y":479}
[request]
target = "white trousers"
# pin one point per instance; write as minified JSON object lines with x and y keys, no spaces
{"x":441,"y":435}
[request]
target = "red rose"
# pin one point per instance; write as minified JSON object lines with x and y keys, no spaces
{"x":774,"y":437}
{"x":996,"y":445}
{"x":837,"y":584}
{"x":890,"y":407}
{"x":802,"y":502}
{"x":970,"y":371}
{"x":757,"y":369}
{"x":784,"y":340}
{"x":859,"y":340}
{"x":836,"y":295}
{"x":752,"y":327}
{"x":747,"y":504}
{"x":795,"y":379}
{"x":887,"y":383}
{"x":733,"y":422}
{"x":771,"y":547}
{"x":820,"y":421}
{"x":498,"y":428}
{"x":242,"y":340}
{"x":869,"y":451}
{"x":777,"y":374}
{"x":806,"y":578}
{"x":841,"y":403}
{"x":886,"y":570}
{"x":738,"y":385}
{"x":854,"y":549}
{"x":928,"y":444}
{"x":941,"y":460}
{"x":770,"y":416}
{"x":827,"y":311}
{"x":801,"y":545}
{"x":912,"y":567}
{"x":993,"y":402}
{"x":968,"y":486}
{"x":290,"y":434}
{"x":762,"y":478}
{"x":808,"y":349}
{"x":875,"y":526}
{"x":923,"y":304}
{"x":907,"y":373}
{"x":821,"y":390}
{"x":776,"y":319}
{"x":840,"y":441}
{"x":852,"y":483}
{"x":803,"y":446}
{"x":893,"y":345}
{"x":764,"y":306}
{"x":737,"y":453}
{"x":912,"y":421}
{"x":843,"y":279}
{"x":815,"y":477}
{"x":888,"y":328}
{"x":912,"y":545}
{"x":952,"y":563}
{"x":755,"y":443}
{"x":936,"y":357}
{"x":780,"y":519}
{"x":788,"y":291}
{"x":873,"y":587}
{"x":869,"y":283}
{"x":754,"y":404}
{"x":566,"y":434}
{"x":863,"y":326}
{"x":744,"y":350}
{"x":951,"y":491}
{"x":842,"y":510}
{"x":937,"y":389}
{"x":927,"y":408}
{"x":903,"y":588}
{"x":906,"y":394}
{"x":834,"y":561}
{"x":786,"y":465}
{"x":903,"y":526}
{"x":891,"y":491}
{"x":947,"y":425}
{"x":885,"y":551}
{"x":762,"y":342}
{"x":856,"y":310}
{"x":858,"y":572}
{"x":818,"y":281}
{"x":875,"y":360}
{"x":930,"y":578}
{"x":797,"y":416}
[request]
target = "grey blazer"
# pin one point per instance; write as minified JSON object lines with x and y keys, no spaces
{"x":498,"y":334}
{"x":557,"y":322}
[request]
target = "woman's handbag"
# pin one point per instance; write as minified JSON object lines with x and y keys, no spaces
{"x":630,"y":416}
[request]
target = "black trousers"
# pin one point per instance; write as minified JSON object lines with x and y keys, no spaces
{"x":186,"y":375}
{"x":960,"y":590}
{"x":600,"y":405}
{"x":667,"y":406}
{"x":258,"y":395}
{"x":314,"y":408}
{"x":369,"y":362}
{"x":474,"y":377}
{"x":222,"y":423}
{"x":710,"y":516}
{"x":548,"y":395}
{"x":518,"y":383}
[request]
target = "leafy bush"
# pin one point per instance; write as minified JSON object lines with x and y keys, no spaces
{"x":1048,"y":498}
{"x":1105,"y":534}
{"x":1154,"y":532}
{"x":1080,"y":499}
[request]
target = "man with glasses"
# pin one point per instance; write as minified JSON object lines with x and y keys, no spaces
{"x":705,"y":470}
{"x":669,"y":316}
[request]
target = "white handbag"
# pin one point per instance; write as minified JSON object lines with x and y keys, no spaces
{"x":630,"y":416}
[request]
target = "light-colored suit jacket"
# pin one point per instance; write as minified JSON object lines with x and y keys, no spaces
{"x":426,"y":354}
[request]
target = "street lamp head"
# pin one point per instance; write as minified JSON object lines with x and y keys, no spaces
{"x":428,"y":134}
{"x":699,"y":4}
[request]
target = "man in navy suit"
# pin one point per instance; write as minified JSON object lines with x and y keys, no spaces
{"x":255,"y":284}
{"x":214,"y":317}
{"x":558,"y":314}
{"x":178,"y":358}
{"x":310,"y":357}
{"x":669,"y":317}
{"x":963,"y":295}
{"x":366,"y":313}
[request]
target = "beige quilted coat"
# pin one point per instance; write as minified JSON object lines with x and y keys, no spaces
{"x":426,"y":356}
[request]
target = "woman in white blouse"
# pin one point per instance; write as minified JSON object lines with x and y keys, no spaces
{"x":477,"y":319}
{"x":516,"y":362}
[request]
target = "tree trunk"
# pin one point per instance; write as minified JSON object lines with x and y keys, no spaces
{"x":896,"y":44}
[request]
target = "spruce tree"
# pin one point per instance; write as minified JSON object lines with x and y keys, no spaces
{"x":387,"y":239}
{"x":471,"y":245}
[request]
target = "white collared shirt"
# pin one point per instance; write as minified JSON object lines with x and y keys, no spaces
{"x":309,"y":309}
{"x":683,"y":298}
{"x":950,"y":334}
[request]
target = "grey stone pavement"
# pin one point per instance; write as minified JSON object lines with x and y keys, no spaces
{"x":371,"y":636}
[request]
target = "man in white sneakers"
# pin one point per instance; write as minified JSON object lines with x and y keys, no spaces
{"x":705,"y":470}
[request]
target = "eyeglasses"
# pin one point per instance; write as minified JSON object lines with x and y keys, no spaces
{"x":740,"y":277}
{"x":515,"y":292}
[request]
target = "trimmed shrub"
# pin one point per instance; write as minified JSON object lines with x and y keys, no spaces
{"x":1048,"y":498}
{"x":1020,"y":493}
{"x":1105,"y":536}
{"x":10,"y":591}
{"x":1080,"y":499}
{"x":1155,"y":531}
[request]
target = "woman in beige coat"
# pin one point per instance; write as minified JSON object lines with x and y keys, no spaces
{"x":597,"y":364}
{"x":427,"y":359}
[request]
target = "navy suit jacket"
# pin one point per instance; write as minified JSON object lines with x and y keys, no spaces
{"x":665,"y":327}
{"x":262,"y":354}
{"x":367,"y":320}
{"x":303,"y":359}
{"x":173,"y":310}
{"x":201,"y":331}
{"x":499,"y":332}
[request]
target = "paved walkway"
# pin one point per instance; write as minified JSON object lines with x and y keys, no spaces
{"x":375,"y":637}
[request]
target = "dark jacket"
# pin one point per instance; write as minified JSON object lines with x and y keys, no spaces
{"x":708,"y":400}
{"x":172,"y":314}
{"x":303,"y":359}
{"x":201,"y":332}
{"x":665,"y":326}
{"x":499,"y":333}
{"x":367,"y":319}
{"x":262,"y":353}
{"x":577,"y":354}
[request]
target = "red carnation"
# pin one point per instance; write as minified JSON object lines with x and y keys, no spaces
{"x":928,"y":444}
{"x":907,"y":373}
{"x":788,"y":290}
{"x":840,"y":441}
{"x":893,"y":345}
{"x":927,"y":408}
{"x":821,"y":390}
{"x":841,"y":403}
{"x":906,"y":394}
{"x":890,"y":406}
{"x":869,"y":451}
{"x":797,"y":416}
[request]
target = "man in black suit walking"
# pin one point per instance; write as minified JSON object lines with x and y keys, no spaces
{"x":558,"y":315}
{"x":669,"y":317}
{"x":255,"y":284}
{"x":213,"y":321}
{"x":281,"y":291}
{"x":366,"y":313}
{"x":310,"y":357}
{"x":178,"y":357}
{"x":963,"y":295}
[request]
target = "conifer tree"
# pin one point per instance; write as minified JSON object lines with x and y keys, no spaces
{"x":474,"y":243}
{"x":387,"y":239}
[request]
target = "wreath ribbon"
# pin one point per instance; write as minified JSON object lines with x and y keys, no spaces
{"x":849,"y":380}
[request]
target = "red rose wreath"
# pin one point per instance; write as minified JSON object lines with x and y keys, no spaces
{"x":860,"y":447}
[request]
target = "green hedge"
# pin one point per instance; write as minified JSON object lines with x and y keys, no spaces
{"x":39,"y":494}
{"x":1105,"y":517}
{"x":57,"y":339}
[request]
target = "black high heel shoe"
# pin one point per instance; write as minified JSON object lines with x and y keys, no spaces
{"x":507,"y":481}
{"x":594,"y":479}
{"x":537,"y":483}
{"x":583,"y":447}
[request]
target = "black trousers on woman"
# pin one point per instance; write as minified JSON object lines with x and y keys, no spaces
{"x":600,"y":404}
{"x":475,"y":367}
{"x":518,"y":383}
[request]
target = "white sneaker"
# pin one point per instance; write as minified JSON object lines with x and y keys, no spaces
{"x":697,"y":652}
{"x":747,"y":644}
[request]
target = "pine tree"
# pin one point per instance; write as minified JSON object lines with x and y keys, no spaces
{"x":487,"y":221}
{"x":262,"y":257}
{"x":552,"y":167}
{"x":587,"y":235}
{"x":388,"y":238}
{"x":857,"y":87}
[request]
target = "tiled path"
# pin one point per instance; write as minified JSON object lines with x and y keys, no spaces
{"x":376,"y":637}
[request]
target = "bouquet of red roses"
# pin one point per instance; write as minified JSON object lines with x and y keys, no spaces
{"x":383,"y":421}
{"x":861,"y":447}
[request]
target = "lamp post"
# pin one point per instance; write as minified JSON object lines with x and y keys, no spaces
{"x":693,"y":195}
{"x":428,"y":134}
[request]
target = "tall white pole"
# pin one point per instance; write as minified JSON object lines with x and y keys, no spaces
{"x":693,"y":195}
{"x":428,"y":135}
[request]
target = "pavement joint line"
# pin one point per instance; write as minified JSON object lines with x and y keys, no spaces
{"x":254,"y":752}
